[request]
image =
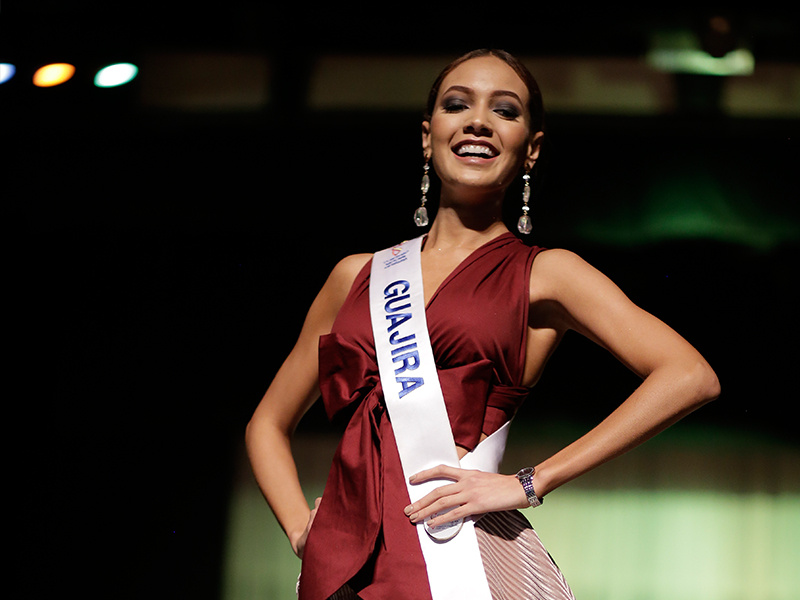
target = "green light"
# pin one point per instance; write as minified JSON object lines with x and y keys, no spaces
{"x":637,"y":529}
{"x":692,"y":204}
{"x":115,"y":75}
{"x":697,"y":62}
{"x":663,"y":544}
{"x":680,"y":51}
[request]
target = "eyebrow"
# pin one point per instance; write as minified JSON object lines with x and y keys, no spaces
{"x":468,"y":90}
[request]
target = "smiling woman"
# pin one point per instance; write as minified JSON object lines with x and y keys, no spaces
{"x":490,"y":310}
{"x":480,"y":130}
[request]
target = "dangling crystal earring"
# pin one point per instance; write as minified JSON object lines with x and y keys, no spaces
{"x":421,"y":214}
{"x":524,"y":224}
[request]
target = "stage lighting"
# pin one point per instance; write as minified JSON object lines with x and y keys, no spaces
{"x":699,"y":62}
{"x":115,"y":75}
{"x":707,"y":53}
{"x":6,"y":72}
{"x":53,"y":74}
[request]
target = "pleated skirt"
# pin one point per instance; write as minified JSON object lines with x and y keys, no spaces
{"x":517,"y":565}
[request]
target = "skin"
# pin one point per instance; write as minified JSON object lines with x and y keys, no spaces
{"x":484,"y":102}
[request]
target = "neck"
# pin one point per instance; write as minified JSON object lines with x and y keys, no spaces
{"x":465,"y":221}
{"x":452,"y":230}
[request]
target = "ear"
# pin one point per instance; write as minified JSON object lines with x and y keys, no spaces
{"x":426,"y":139}
{"x":534,"y":147}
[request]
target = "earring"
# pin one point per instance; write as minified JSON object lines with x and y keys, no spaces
{"x":421,"y":214}
{"x":524,"y":224}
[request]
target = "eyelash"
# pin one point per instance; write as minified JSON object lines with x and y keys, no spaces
{"x":507,"y":112}
{"x":452,"y":106}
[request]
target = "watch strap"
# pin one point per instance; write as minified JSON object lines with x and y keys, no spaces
{"x":525,"y":477}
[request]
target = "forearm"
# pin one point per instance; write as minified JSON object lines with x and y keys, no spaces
{"x":269,"y":451}
{"x":664,"y":397}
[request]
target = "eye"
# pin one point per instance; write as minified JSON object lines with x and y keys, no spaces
{"x":452,"y":105}
{"x":508,"y":111}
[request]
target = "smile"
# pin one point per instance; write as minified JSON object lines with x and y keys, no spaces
{"x":467,"y":149}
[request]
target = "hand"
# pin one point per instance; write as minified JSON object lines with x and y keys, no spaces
{"x":471,"y":493}
{"x":299,"y":544}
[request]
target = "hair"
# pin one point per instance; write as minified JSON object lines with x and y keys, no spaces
{"x":535,"y":103}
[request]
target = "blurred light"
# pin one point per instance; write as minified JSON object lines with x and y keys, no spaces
{"x":714,"y":52}
{"x":691,"y":203}
{"x":698,"y":62}
{"x":206,"y":81}
{"x":52,"y":75}
{"x":115,"y":75}
{"x":6,"y":72}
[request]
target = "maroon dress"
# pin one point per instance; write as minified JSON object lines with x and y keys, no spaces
{"x":477,"y":322}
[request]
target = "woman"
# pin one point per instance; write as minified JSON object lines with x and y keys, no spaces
{"x":495,"y":315}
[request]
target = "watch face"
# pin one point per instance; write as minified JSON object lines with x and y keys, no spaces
{"x":526,"y":472}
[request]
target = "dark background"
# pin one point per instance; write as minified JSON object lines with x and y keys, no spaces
{"x":161,"y":263}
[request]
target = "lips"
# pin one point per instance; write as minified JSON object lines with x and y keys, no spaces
{"x":475,"y":149}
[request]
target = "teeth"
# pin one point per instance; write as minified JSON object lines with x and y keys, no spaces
{"x":475,"y":149}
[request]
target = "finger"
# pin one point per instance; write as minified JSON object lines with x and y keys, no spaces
{"x":440,"y":492}
{"x":313,"y":513}
{"x":452,"y":515}
{"x":428,"y":506}
{"x":437,"y":472}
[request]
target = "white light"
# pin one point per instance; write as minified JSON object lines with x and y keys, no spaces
{"x":6,"y":72}
{"x":115,"y":75}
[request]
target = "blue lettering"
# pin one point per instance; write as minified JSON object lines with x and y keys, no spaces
{"x":405,"y":356}
{"x":394,"y":340}
{"x":397,"y":320}
{"x":388,"y":292}
{"x":409,"y":384}
{"x":397,"y":351}
{"x":409,"y":360}
{"x":390,"y":308}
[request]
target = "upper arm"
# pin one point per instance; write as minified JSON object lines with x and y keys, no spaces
{"x":585,"y":300}
{"x":295,"y":387}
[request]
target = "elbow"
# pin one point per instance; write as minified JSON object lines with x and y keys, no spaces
{"x":262,"y":428}
{"x":705,"y":383}
{"x":249,"y":432}
{"x":253,"y":431}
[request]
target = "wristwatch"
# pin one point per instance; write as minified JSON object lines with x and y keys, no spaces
{"x":525,"y":477}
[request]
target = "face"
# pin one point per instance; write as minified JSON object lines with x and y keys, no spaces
{"x":479,"y":133}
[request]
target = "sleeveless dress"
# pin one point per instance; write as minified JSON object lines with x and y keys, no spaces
{"x":361,"y":544}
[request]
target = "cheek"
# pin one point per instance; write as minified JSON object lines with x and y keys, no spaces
{"x":517,"y":139}
{"x":440,"y":134}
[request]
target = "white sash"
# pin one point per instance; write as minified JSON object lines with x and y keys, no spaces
{"x":419,"y":418}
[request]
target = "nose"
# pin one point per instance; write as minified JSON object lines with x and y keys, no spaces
{"x":477,"y":123}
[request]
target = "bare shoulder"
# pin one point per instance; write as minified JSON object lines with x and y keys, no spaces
{"x":556,"y":272}
{"x":340,"y":280}
{"x":331,"y":297}
{"x":577,"y":294}
{"x":346,"y":270}
{"x":353,"y":263}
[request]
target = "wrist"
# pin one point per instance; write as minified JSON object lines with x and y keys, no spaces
{"x":294,"y":540}
{"x":297,"y":539}
{"x":525,"y":477}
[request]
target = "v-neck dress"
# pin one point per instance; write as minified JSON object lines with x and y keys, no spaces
{"x":477,"y":320}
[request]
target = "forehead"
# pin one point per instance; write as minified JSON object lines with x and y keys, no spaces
{"x":485,"y":74}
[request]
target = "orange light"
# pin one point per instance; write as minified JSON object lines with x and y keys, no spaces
{"x":51,"y":75}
